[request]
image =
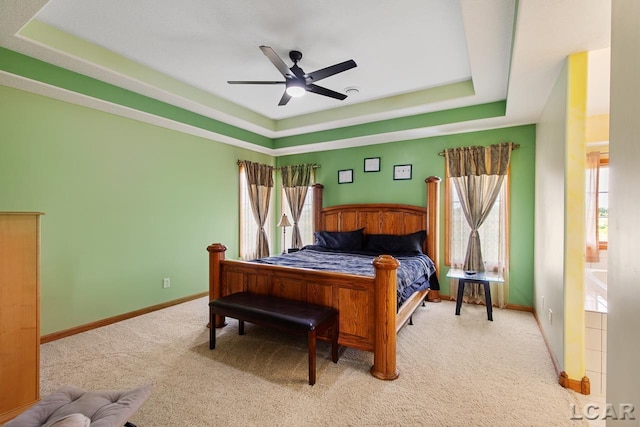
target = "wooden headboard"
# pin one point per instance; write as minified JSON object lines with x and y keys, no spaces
{"x":384,"y":218}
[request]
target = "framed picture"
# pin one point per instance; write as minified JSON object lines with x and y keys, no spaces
{"x":372,"y":164}
{"x":402,"y":172}
{"x":345,"y":176}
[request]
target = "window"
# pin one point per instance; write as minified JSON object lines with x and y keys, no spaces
{"x":306,"y":219}
{"x":603,"y":204}
{"x":493,"y":232}
{"x":248,"y":225}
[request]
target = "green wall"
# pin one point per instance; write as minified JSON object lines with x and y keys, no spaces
{"x":423,"y":155}
{"x":126,"y":204}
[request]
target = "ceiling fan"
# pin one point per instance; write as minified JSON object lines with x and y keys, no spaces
{"x":296,"y":80}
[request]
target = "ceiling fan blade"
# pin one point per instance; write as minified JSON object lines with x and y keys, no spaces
{"x":324,"y":91}
{"x":276,"y":60}
{"x":330,"y":71}
{"x":254,"y":82}
{"x":285,"y":98}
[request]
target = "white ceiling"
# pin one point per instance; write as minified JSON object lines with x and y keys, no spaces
{"x":413,"y":56}
{"x":206,"y":43}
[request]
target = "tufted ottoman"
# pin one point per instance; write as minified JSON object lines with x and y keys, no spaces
{"x":72,"y":406}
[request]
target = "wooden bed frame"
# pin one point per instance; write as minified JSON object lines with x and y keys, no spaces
{"x":366,"y":305}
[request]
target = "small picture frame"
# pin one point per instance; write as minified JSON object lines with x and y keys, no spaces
{"x":345,"y":176}
{"x":401,"y":172}
{"x":372,"y":164}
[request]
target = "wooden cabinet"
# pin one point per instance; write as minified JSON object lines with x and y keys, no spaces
{"x":19,"y":312}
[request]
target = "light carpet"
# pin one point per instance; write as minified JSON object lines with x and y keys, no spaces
{"x":454,"y":371}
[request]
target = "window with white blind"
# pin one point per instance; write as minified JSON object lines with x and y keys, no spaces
{"x":493,"y":232}
{"x":306,"y":219}
{"x":248,"y":225}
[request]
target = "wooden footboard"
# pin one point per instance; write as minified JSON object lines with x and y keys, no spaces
{"x":366,"y":305}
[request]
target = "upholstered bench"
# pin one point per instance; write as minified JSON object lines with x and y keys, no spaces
{"x":72,"y":406}
{"x":279,"y":313}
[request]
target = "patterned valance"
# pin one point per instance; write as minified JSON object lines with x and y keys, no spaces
{"x":476,"y":161}
{"x":296,"y":175}
{"x":257,"y":173}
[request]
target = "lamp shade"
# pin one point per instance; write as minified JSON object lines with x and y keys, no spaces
{"x":284,"y":221}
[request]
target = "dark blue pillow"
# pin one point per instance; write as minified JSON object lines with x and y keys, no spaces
{"x":395,"y":244}
{"x":340,"y":240}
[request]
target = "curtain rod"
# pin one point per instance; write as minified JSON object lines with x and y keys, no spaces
{"x":514,"y":147}
{"x":313,"y":165}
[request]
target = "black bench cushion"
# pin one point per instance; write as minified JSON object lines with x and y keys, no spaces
{"x":248,"y":306}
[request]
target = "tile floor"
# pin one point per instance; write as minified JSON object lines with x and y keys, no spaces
{"x":596,"y":365}
{"x":596,"y":351}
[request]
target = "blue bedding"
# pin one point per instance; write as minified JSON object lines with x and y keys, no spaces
{"x":416,"y":272}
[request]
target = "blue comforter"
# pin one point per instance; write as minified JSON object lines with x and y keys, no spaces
{"x":415,"y":271}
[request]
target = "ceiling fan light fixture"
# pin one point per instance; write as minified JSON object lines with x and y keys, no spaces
{"x":295,"y":89}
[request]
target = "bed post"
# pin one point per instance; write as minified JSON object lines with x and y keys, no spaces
{"x":433,"y":228}
{"x":384,"y":351}
{"x":216,"y":254}
{"x":316,"y":207}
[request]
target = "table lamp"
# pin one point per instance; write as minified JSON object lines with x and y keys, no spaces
{"x":284,"y":223}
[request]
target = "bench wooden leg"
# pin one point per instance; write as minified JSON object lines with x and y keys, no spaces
{"x":212,"y":330}
{"x":311,"y":338}
{"x":335,"y":332}
{"x":240,"y":327}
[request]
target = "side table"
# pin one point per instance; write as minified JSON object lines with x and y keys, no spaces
{"x":483,"y":278}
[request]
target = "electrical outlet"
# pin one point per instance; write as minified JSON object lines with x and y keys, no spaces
{"x":550,"y":316}
{"x":166,"y":283}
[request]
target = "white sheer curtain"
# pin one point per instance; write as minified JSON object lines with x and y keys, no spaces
{"x":592,"y":250}
{"x":305,"y":222}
